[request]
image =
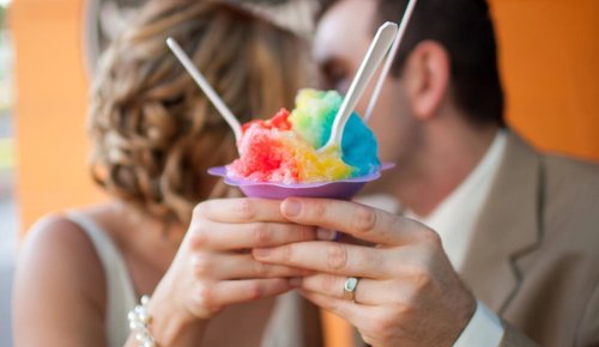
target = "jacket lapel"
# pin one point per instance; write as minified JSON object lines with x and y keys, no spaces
{"x":509,"y":227}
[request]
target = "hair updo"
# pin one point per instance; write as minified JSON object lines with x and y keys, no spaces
{"x":154,"y":133}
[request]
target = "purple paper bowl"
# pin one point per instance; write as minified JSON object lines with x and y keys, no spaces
{"x":342,"y":189}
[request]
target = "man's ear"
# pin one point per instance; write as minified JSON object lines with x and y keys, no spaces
{"x":427,"y":72}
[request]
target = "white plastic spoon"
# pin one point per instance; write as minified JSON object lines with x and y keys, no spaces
{"x":201,"y":81}
{"x":389,"y":61}
{"x":377,"y":51}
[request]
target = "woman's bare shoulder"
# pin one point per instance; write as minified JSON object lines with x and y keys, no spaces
{"x":59,"y":287}
{"x":58,"y":241}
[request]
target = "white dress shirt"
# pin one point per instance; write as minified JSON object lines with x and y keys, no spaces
{"x":454,"y":220}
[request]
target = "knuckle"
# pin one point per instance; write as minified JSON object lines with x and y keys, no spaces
{"x":337,"y":257}
{"x":384,"y":326}
{"x":306,"y":232}
{"x":367,"y":256}
{"x":422,"y":279}
{"x":246,"y":209}
{"x":261,"y":269}
{"x":255,"y":291}
{"x":404,"y":311}
{"x":201,"y":266}
{"x":199,"y":211}
{"x":432,"y":239}
{"x":288,"y":253}
{"x":204,"y":297}
{"x":364,"y":219}
{"x":262,"y":235}
{"x":318,"y":210}
{"x":331,"y":305}
{"x":199,"y":238}
{"x":329,"y":284}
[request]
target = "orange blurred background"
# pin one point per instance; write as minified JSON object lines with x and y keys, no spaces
{"x":549,"y":58}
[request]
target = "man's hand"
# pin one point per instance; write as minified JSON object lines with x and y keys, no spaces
{"x":408,"y":293}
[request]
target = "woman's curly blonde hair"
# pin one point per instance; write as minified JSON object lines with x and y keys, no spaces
{"x":153,"y":131}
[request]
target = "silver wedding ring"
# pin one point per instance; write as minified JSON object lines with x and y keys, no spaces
{"x":349,"y":288}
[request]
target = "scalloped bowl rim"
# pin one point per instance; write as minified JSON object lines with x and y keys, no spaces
{"x":222,"y":172}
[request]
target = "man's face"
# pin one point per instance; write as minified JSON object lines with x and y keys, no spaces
{"x":342,"y":39}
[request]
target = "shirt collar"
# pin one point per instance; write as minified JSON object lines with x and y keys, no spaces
{"x":455,"y":218}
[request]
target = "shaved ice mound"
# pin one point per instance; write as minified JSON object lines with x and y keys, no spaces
{"x":284,"y":149}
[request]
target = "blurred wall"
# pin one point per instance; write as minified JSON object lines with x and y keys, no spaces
{"x":550,"y":64}
{"x":51,"y":96}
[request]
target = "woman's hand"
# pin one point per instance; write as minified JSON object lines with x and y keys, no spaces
{"x":408,"y":293}
{"x":214,"y":267}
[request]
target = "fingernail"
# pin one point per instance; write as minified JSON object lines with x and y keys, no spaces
{"x":262,"y":252}
{"x":325,"y":234}
{"x":295,"y":282}
{"x":291,"y":208}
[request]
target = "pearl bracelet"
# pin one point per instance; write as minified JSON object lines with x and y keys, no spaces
{"x":139,"y":322}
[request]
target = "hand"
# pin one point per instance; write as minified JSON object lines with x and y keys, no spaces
{"x":408,"y":293}
{"x":213,"y":267}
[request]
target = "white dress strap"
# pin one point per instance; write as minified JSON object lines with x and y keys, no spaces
{"x":121,"y":295}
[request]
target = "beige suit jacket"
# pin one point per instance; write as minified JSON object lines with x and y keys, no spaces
{"x":534,"y":258}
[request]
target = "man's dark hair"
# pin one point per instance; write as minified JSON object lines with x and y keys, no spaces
{"x":465,"y":29}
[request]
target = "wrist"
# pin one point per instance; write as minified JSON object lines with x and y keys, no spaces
{"x":172,"y":326}
{"x":465,"y":314}
{"x":483,"y":329}
{"x":468,"y":309}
